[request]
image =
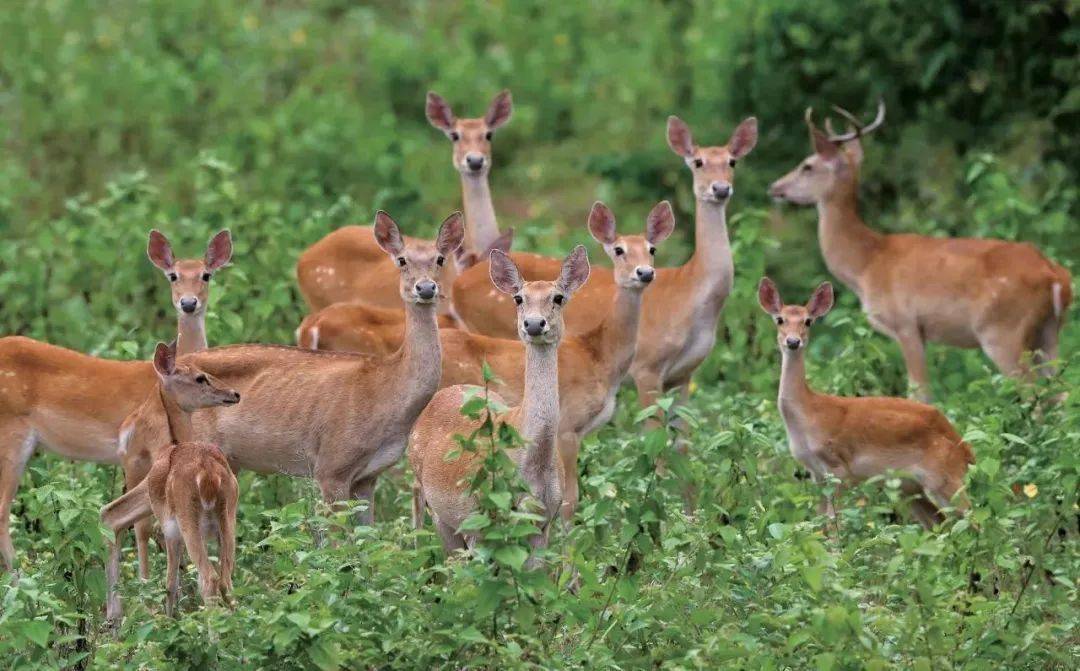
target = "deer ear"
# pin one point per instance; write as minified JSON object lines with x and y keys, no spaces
{"x":769,"y":297}
{"x":743,"y":139}
{"x":165,"y":358}
{"x":218,"y":251}
{"x":660,"y":223}
{"x":499,"y":110}
{"x":439,"y":113}
{"x":465,"y":259}
{"x":387,"y":235}
{"x":602,"y":223}
{"x":679,"y":138}
{"x":504,"y":242}
{"x":821,"y":302}
{"x":823,"y":146}
{"x":160,"y":251}
{"x":504,"y":273}
{"x":575,"y":270}
{"x":451,"y":234}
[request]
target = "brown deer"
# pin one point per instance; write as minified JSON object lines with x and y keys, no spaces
{"x":442,"y":483}
{"x":592,"y":364}
{"x":680,"y":312}
{"x":355,"y":327}
{"x":189,"y":489}
{"x":337,"y":417}
{"x":855,"y":439}
{"x":51,"y":396}
{"x":1004,"y":297}
{"x":347,"y":264}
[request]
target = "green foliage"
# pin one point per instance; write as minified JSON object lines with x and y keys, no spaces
{"x":284,"y":121}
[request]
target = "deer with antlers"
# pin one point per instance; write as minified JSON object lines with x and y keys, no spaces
{"x":347,"y":265}
{"x":189,"y":488}
{"x":855,"y":439}
{"x":340,"y":418}
{"x":680,"y":312}
{"x":50,"y":396}
{"x":442,"y":483}
{"x":1003,"y":297}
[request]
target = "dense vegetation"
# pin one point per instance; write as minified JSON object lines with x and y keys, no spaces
{"x":284,"y":120}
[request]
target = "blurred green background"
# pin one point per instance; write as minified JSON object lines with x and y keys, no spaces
{"x":284,"y":120}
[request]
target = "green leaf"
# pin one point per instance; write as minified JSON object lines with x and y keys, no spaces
{"x":812,"y":575}
{"x":475,"y":522}
{"x":36,"y":631}
{"x":513,"y":556}
{"x":502,"y":500}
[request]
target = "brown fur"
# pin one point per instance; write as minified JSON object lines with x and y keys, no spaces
{"x":347,"y":265}
{"x":992,"y":294}
{"x":858,"y":438}
{"x":355,"y":327}
{"x":52,"y":396}
{"x":441,"y":483}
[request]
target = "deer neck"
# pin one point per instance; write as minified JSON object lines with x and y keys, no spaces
{"x":847,"y":244}
{"x":190,"y":333}
{"x":540,"y":406}
{"x":711,"y":264}
{"x":614,"y":340}
{"x":421,"y":354}
{"x":481,"y":227}
{"x":180,"y":429}
{"x":793,"y":388}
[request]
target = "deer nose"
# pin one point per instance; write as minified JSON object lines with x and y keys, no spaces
{"x":188,"y":304}
{"x":426,"y":289}
{"x":775,"y":190}
{"x":721,"y":189}
{"x":645,"y":273}
{"x":474,"y":161}
{"x":792,"y":342}
{"x":534,"y":327}
{"x":235,"y":397}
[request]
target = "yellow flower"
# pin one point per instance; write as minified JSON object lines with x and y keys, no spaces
{"x":693,"y":386}
{"x":298,"y":37}
{"x":1031,"y":490}
{"x":251,"y":22}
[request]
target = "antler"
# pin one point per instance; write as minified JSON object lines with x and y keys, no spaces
{"x":859,"y":129}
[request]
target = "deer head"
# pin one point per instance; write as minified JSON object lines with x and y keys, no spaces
{"x":191,"y":388}
{"x":713,"y":167}
{"x":632,"y":255}
{"x":189,"y":279}
{"x":420,"y":261}
{"x":471,"y":137}
{"x":540,"y":303}
{"x":834,"y":164}
{"x":793,"y":321}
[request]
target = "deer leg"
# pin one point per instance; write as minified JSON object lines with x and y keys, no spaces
{"x":417,"y":506}
{"x":364,"y":490}
{"x":569,"y":445}
{"x":136,"y":465}
{"x":172,"y":573}
{"x":1006,"y":350}
{"x":452,"y":540}
{"x":114,"y":610}
{"x":649,"y":387}
{"x":18,"y":442}
{"x":195,"y":541}
{"x":227,"y":549}
{"x":913,"y":347}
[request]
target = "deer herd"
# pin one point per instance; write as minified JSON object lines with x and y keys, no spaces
{"x":401,"y":329}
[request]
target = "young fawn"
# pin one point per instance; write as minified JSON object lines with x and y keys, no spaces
{"x":347,"y":265}
{"x":1004,"y":297}
{"x":855,"y":439}
{"x":50,"y":396}
{"x":337,"y":417}
{"x":190,"y":488}
{"x":442,"y":485}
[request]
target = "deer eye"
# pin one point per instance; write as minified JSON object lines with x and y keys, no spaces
{"x":808,"y":322}
{"x":698,"y":163}
{"x":441,"y":260}
{"x":454,"y":136}
{"x":173,"y":277}
{"x":519,"y":300}
{"x":652,"y":251}
{"x":206,"y":277}
{"x":488,"y":135}
{"x":779,"y":320}
{"x":201,"y":379}
{"x":619,"y":251}
{"x":401,"y":261}
{"x":731,"y":162}
{"x":558,"y":298}
{"x":807,"y":167}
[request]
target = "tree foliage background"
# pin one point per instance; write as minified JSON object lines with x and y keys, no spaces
{"x":283,"y":120}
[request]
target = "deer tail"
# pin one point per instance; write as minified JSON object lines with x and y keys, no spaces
{"x":208,"y":484}
{"x":307,"y":336}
